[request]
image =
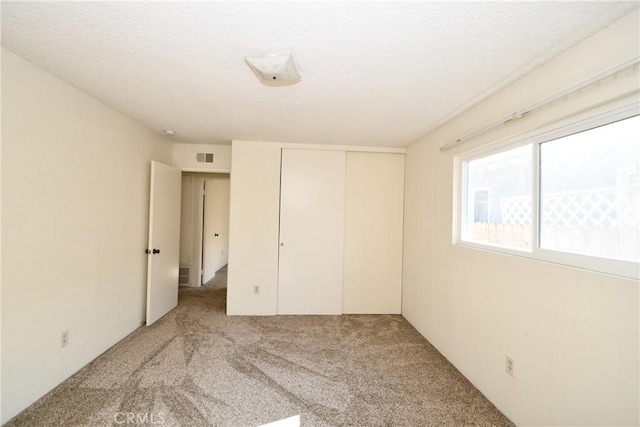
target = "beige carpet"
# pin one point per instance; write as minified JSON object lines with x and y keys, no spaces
{"x":198,"y":367}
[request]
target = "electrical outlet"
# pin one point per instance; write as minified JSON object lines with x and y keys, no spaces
{"x":508,"y":365}
{"x":64,"y":339}
{"x":256,"y":290}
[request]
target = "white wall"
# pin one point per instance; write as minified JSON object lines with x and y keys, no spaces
{"x":75,"y":178}
{"x":573,"y":334}
{"x":253,"y":228}
{"x":374,"y":204}
{"x":184,"y":157}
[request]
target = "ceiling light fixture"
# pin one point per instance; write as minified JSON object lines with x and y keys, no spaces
{"x":274,"y":67}
{"x":169,"y":132}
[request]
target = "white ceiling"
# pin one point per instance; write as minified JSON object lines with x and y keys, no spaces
{"x":377,"y":74}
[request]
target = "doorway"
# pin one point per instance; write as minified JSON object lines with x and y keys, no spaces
{"x":204,"y":226}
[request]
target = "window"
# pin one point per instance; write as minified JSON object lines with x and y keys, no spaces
{"x":571,"y":197}
{"x":584,"y":207}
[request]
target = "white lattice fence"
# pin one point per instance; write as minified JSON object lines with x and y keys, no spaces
{"x":516,"y":210}
{"x":603,"y":207}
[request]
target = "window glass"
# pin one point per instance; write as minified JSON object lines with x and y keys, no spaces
{"x":589,"y":192}
{"x":498,"y":199}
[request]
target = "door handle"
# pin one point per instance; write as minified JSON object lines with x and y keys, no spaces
{"x":156,"y":251}
{"x":215,"y":235}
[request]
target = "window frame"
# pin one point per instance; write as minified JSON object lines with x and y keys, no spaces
{"x":596,"y":117}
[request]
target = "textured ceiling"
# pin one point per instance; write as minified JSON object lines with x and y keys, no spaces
{"x":379,"y":74}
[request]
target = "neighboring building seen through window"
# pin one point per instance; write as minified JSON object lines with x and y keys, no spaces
{"x":505,"y":218}
{"x":481,"y":206}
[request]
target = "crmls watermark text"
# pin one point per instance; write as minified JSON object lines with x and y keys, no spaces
{"x":138,"y":418}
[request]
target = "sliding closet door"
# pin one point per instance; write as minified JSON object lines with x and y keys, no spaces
{"x":373,"y":233}
{"x":311,"y":232}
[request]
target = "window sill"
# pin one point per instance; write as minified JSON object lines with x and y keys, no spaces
{"x":611,"y":267}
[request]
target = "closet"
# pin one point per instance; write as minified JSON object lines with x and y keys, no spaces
{"x":315,"y":230}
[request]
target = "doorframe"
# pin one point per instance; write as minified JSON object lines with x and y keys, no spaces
{"x":201,"y":170}
{"x":200,"y":214}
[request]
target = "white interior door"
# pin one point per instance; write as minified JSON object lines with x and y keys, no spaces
{"x":164,"y":241}
{"x":216,"y":225}
{"x":311,"y":232}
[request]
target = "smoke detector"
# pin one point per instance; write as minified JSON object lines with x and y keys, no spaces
{"x":274,"y":67}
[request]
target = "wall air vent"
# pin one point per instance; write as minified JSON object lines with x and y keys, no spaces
{"x":183,"y":276}
{"x":204,"y":157}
